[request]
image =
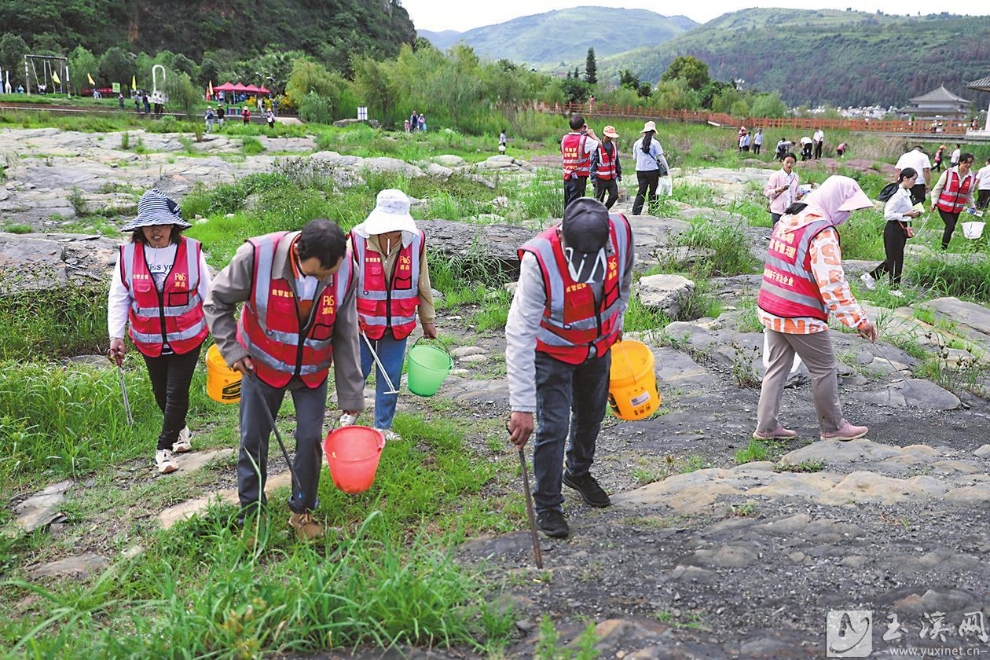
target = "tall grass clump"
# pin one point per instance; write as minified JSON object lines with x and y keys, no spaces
{"x":950,"y":275}
{"x":729,"y":244}
{"x":53,"y":323}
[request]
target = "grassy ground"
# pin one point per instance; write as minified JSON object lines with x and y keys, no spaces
{"x":386,"y":576}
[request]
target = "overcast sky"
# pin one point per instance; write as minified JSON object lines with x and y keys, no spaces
{"x":463,"y":15}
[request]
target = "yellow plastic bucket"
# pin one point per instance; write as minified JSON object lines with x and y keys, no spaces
{"x":223,"y":384}
{"x":632,"y":387}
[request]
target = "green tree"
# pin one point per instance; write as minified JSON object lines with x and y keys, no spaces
{"x":182,"y":93}
{"x":117,"y":66}
{"x":675,"y":95}
{"x":209,"y":72}
{"x":690,"y":69}
{"x":576,"y":90}
{"x":768,"y":105}
{"x":375,"y":87}
{"x":12,"y":52}
{"x":82,"y":64}
{"x":591,"y":68}
{"x":307,"y":78}
{"x":628,"y":79}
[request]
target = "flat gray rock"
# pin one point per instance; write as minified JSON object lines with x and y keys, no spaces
{"x":80,"y":566}
{"x":914,"y":393}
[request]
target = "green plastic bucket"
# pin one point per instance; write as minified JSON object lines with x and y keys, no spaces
{"x":428,"y":367}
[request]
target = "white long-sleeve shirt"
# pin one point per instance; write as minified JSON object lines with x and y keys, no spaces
{"x":898,"y":204}
{"x":160,"y":263}
{"x":525,"y":314}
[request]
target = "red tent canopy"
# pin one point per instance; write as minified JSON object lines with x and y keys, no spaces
{"x":264,"y":91}
{"x":254,"y":89}
{"x":226,"y":87}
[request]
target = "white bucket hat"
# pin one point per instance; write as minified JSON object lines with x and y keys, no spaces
{"x":154,"y":208}
{"x":649,"y":126}
{"x":391,"y":213}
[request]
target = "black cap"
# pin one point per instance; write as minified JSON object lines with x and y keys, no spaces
{"x":585,"y":227}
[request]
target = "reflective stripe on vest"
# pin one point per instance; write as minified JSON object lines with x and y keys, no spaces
{"x":789,"y":289}
{"x":576,"y":161}
{"x":574,"y":327}
{"x":270,"y":328}
{"x":379,"y":308}
{"x":172,"y":316}
{"x":953,"y":197}
{"x":606,"y":163}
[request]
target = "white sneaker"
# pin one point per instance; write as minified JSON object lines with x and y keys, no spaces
{"x":390,"y":435}
{"x":183,"y":444}
{"x":165,"y":462}
{"x":868,"y":281}
{"x":895,"y":293}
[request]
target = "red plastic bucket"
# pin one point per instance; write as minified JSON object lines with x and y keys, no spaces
{"x":352,"y":454}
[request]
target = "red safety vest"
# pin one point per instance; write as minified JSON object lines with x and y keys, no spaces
{"x":953,"y":196}
{"x":172,"y":316}
{"x":382,"y":305}
{"x":789,"y":289}
{"x":607,"y":163}
{"x":576,"y":161}
{"x":573,"y":325}
{"x":270,"y":328}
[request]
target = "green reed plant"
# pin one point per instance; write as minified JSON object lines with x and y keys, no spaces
{"x":52,"y":323}
{"x":952,"y":275}
{"x":727,"y":241}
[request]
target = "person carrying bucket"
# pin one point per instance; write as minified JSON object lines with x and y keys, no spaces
{"x":566,"y":314}
{"x":393,"y":282}
{"x":158,"y":287}
{"x":298,"y":319}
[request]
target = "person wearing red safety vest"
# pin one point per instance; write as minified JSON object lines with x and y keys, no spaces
{"x":298,"y":319}
{"x":566,"y":313}
{"x":393,"y":285}
{"x":158,"y":288}
{"x":606,"y":170}
{"x":953,"y":193}
{"x":576,"y":148}
{"x":803,"y":282}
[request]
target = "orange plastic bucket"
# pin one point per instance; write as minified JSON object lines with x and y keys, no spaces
{"x":352,"y":454}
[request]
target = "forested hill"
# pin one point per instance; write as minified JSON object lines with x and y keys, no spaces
{"x":831,"y":57}
{"x":563,"y":37}
{"x":327,"y":27}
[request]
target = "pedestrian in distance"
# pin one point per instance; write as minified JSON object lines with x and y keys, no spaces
{"x":606,"y":170}
{"x":503,"y":142}
{"x":983,"y":186}
{"x":575,"y":149}
{"x":137,"y":104}
{"x":120,"y":102}
{"x":917,"y":160}
{"x":782,"y":189}
{"x":955,"y":157}
{"x":414,"y":121}
{"x":898,"y":213}
{"x":953,"y":193}
{"x":938,"y":158}
{"x":803,"y":282}
{"x":298,"y":318}
{"x":393,"y":287}
{"x":220,"y":115}
{"x":651,"y":165}
{"x":566,"y":314}
{"x":758,"y":142}
{"x":819,"y":143}
{"x":157,"y":292}
{"x":246,"y":115}
{"x":840,"y":150}
{"x":210,"y":118}
{"x":270,"y":116}
{"x":422,"y":122}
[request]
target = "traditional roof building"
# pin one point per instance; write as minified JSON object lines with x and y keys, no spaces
{"x":938,"y":104}
{"x":982,"y":85}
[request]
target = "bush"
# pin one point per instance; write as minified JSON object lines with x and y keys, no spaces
{"x":316,"y":109}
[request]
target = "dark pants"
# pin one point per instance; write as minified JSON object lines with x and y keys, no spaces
{"x":894,"y":240}
{"x":170,"y":378}
{"x":570,"y":403}
{"x":609,"y":186}
{"x":982,"y":199}
{"x":756,"y":149}
{"x":950,"y":220}
{"x":775,"y":218}
{"x":574,"y":188}
{"x":918,"y":192}
{"x":252,"y":462}
{"x":818,"y":150}
{"x":649,"y":179}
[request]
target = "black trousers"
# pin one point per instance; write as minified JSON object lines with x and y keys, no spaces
{"x":894,"y":240}
{"x":574,"y":188}
{"x":918,"y":192}
{"x":756,"y":149}
{"x":950,"y":220}
{"x":611,"y":187}
{"x":818,"y":150}
{"x":983,"y":198}
{"x":648,"y":180}
{"x":171,"y":376}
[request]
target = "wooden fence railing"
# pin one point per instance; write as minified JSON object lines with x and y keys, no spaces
{"x":950,"y":127}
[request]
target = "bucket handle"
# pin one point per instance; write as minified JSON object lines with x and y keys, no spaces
{"x":439,"y":341}
{"x":625,"y":356}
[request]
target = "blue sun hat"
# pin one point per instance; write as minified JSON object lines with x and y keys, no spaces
{"x":155,"y":208}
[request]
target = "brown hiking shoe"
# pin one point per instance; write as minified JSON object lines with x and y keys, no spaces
{"x":306,"y":528}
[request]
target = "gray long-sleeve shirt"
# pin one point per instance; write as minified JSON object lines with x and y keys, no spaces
{"x":233,"y":285}
{"x":523,"y":323}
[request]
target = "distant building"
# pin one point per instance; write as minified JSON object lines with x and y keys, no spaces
{"x":938,"y":104}
{"x":982,"y":85}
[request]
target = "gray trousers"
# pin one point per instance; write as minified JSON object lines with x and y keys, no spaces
{"x":816,"y":352}
{"x":252,"y":462}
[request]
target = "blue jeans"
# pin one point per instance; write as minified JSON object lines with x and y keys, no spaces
{"x":391,"y":352}
{"x":570,"y":402}
{"x":252,"y":462}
